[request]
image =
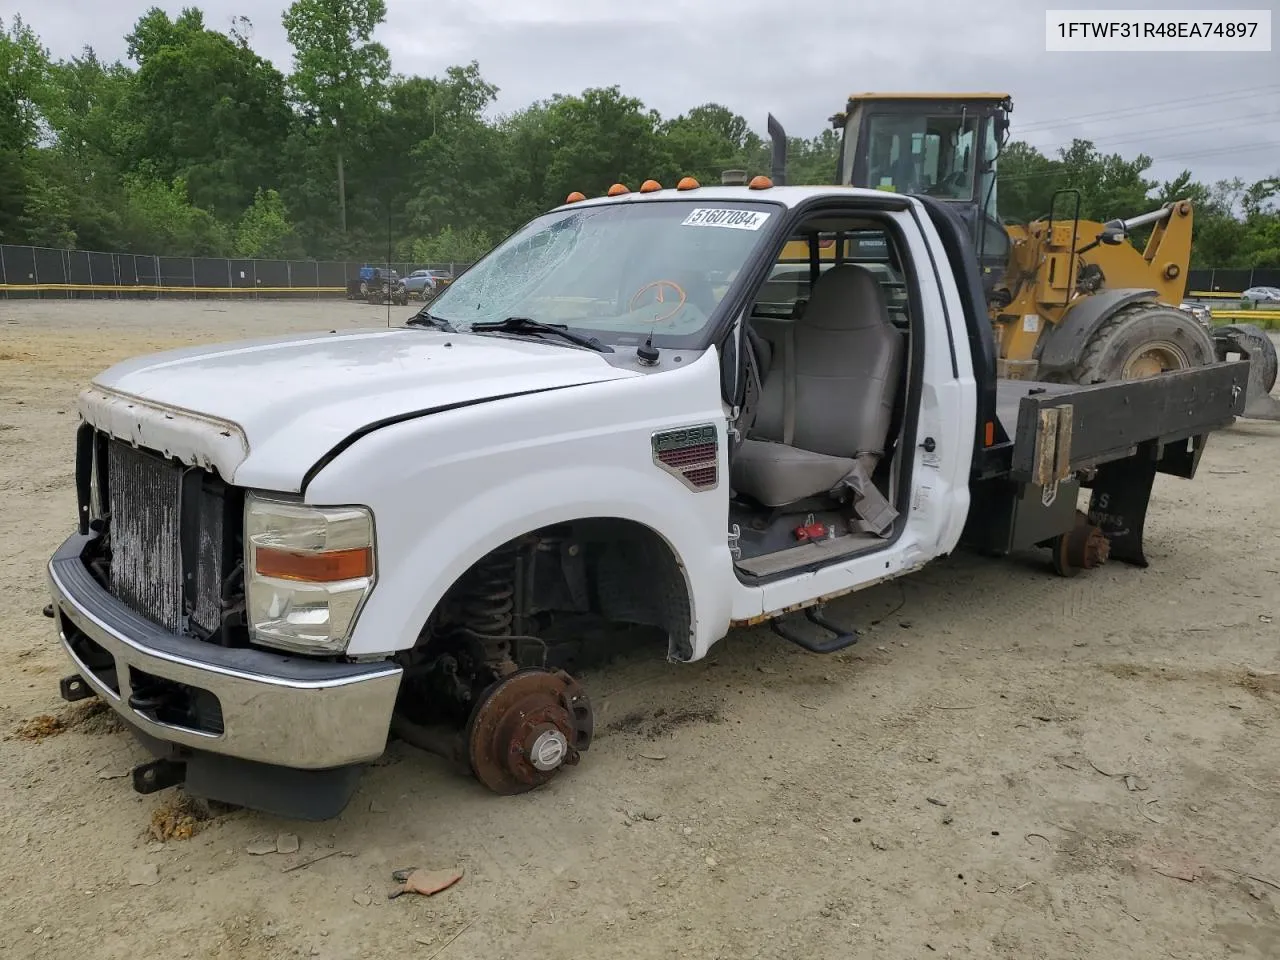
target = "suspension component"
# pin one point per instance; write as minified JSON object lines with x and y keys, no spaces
{"x":488,"y":607}
{"x":549,"y":542}
{"x":481,"y":633}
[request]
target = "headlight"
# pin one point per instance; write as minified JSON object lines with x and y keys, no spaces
{"x":308,"y":571}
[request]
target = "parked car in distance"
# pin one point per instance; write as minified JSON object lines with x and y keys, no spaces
{"x":1262,"y":295}
{"x":420,"y":281}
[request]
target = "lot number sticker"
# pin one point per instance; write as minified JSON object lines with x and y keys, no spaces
{"x":732,"y":219}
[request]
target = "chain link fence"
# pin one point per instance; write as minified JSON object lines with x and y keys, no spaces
{"x":44,"y":272}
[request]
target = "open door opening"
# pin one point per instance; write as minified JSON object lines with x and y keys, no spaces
{"x":818,"y":477}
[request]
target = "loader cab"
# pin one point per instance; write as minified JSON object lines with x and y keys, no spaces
{"x":939,"y":145}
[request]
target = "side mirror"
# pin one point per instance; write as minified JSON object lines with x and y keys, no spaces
{"x":1002,"y":128}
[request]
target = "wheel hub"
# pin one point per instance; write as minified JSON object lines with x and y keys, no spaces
{"x":1087,"y":547}
{"x":548,"y":750}
{"x":1083,"y":548}
{"x":525,"y":728}
{"x":1152,"y":359}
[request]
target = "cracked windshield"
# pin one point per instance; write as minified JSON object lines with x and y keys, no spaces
{"x":622,"y":269}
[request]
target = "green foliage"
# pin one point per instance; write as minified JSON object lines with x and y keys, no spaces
{"x":206,"y":108}
{"x":466,"y":245}
{"x":1109,"y":185}
{"x":265,"y":232}
{"x":24,"y":84}
{"x":198,"y":146}
{"x":162,"y":214}
{"x":338,"y":67}
{"x":339,"y":70}
{"x":24,"y":89}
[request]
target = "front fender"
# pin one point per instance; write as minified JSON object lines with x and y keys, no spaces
{"x":411,"y":586}
{"x":447,"y":489}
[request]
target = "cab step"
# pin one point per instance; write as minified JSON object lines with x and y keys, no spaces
{"x":841,"y":638}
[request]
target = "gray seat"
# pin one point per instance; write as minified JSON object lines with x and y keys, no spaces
{"x":822,"y":419}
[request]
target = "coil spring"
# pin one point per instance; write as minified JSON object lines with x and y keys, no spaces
{"x":550,"y":542}
{"x":489,"y":606}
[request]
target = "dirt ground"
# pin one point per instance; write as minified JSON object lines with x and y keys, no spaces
{"x":1010,"y":765}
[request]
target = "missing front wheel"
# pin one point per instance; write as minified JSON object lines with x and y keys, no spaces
{"x":526,"y":728}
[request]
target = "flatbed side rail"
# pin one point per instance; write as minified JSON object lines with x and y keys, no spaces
{"x":1063,"y":430}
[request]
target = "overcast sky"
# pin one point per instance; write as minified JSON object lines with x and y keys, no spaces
{"x":757,"y":57}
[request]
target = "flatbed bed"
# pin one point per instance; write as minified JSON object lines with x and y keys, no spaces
{"x":1116,"y":435}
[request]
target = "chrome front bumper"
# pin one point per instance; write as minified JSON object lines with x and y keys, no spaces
{"x":276,"y":709}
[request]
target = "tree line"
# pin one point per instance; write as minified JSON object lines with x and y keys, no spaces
{"x":197,"y":146}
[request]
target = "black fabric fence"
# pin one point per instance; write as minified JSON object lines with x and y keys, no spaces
{"x":1226,"y":282}
{"x":43,"y":272}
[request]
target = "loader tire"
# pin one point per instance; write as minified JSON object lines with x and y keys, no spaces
{"x":1143,"y":340}
{"x":1241,"y":337}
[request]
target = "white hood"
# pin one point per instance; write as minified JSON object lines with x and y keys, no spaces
{"x":264,"y":411}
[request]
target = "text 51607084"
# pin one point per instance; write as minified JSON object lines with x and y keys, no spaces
{"x":1218,"y":31}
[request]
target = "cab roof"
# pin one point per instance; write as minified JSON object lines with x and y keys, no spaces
{"x":786,"y":196}
{"x":998,"y":97}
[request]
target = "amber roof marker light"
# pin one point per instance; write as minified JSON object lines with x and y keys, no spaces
{"x":650,"y":186}
{"x":760,"y":183}
{"x":618,"y":189}
{"x":687,"y":183}
{"x":575,"y":197}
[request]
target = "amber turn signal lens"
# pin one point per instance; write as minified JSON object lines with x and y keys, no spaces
{"x":328,"y":567}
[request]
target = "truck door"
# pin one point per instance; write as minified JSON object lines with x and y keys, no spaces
{"x":925,"y":466}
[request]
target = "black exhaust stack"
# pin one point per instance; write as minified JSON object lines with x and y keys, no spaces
{"x":778,"y":157}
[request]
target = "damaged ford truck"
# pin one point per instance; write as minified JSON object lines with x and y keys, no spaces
{"x":641,"y":414}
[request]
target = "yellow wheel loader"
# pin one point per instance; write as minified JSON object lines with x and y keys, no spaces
{"x":1070,"y":300}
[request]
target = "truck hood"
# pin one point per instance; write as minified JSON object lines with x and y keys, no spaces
{"x":262,"y":412}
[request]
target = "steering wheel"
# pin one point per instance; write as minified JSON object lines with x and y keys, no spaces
{"x":683,"y":297}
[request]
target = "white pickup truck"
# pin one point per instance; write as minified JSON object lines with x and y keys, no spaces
{"x":634,"y":412}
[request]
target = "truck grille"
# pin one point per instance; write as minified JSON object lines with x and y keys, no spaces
{"x":172,"y":539}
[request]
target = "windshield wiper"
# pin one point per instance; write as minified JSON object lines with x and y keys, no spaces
{"x":528,"y":325}
{"x":424,"y":319}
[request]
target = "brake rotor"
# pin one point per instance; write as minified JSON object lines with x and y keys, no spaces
{"x":1084,"y":548}
{"x":527,"y":726}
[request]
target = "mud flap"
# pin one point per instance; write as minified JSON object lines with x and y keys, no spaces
{"x":1121,"y":493}
{"x":1260,"y":406}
